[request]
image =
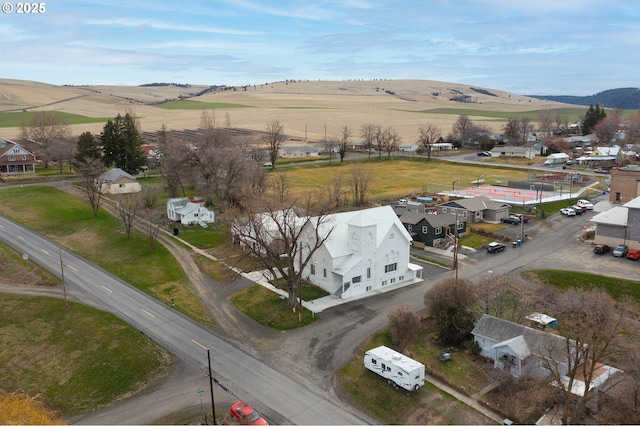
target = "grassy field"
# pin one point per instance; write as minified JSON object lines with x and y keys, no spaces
{"x":80,"y":358}
{"x":68,"y":220}
{"x":17,"y":119}
{"x":571,"y":113}
{"x":563,"y":280}
{"x":398,"y":177}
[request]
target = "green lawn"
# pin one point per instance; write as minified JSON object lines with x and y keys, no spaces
{"x":80,"y":358}
{"x":68,"y":220}
{"x":17,"y":119}
{"x":564,"y":280}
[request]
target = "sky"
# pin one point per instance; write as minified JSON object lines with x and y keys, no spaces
{"x":533,"y":47}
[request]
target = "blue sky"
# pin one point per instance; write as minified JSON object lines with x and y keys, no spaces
{"x":574,"y":47}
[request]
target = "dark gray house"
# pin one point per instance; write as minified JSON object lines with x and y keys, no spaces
{"x":476,"y":209}
{"x":433,"y":229}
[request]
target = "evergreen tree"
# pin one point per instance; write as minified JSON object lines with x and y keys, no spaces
{"x":593,"y":116}
{"x":122,"y":144}
{"x":87,"y":147}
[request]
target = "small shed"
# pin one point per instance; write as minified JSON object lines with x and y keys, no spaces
{"x":556,"y":158}
{"x":117,"y":181}
{"x":542,"y":320}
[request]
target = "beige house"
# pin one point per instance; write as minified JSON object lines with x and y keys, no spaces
{"x":117,"y":181}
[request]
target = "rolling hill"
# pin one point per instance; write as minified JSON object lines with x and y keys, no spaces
{"x":625,"y":98}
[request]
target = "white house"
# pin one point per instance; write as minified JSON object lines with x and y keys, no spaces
{"x":189,"y":211}
{"x":117,"y":181}
{"x":366,"y":251}
{"x":556,"y":158}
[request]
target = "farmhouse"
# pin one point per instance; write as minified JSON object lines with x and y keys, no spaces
{"x":367,"y":251}
{"x":298,"y":152}
{"x":117,"y":181}
{"x":513,"y":151}
{"x":189,"y":211}
{"x":14,"y":159}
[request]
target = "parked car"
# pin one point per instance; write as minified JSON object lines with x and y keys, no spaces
{"x":522,"y":217}
{"x":601,"y":249}
{"x":245,"y":415}
{"x":585,"y":204}
{"x":495,"y":247}
{"x":511,"y":219}
{"x":577,"y":209}
{"x":268,"y":164}
{"x":568,"y":211}
{"x":621,"y":250}
{"x":633,"y":254}
{"x":484,"y":154}
{"x":600,"y":170}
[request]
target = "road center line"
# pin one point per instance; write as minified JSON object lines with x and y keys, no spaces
{"x":72,"y":268}
{"x":199,"y":344}
{"x":149,"y":313}
{"x":106,"y":289}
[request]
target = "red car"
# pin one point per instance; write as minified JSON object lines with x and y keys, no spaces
{"x":633,"y":254}
{"x":245,"y":415}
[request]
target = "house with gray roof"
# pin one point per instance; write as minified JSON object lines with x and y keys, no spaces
{"x":298,"y":152}
{"x":189,"y":211}
{"x":476,"y":209}
{"x":432,"y":229}
{"x":518,"y":349}
{"x":117,"y":181}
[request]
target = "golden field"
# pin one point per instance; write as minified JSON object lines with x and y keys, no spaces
{"x":309,"y":110}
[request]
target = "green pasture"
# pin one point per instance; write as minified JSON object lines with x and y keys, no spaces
{"x":196,"y":105}
{"x":79,"y":358}
{"x":18,"y":119}
{"x":68,"y":220}
{"x":563,"y":280}
{"x":570,"y":113}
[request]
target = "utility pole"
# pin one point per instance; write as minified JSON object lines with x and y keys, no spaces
{"x":300,"y":287}
{"x":213,"y":406}
{"x":455,"y":247}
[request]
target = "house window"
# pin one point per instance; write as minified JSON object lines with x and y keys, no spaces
{"x":374,"y":361}
{"x":368,"y":273}
{"x":12,"y":158}
{"x":121,"y":185}
{"x":393,"y":280}
{"x":439,"y":230}
{"x":368,"y":288}
{"x":454,"y":212}
{"x":324,"y":272}
{"x":425,"y":229}
{"x":24,"y":157}
{"x":464,"y":213}
{"x":444,"y":210}
{"x":410,"y":228}
{"x":357,"y":279}
{"x":401,"y":278}
{"x":384,"y":283}
{"x":313,"y":269}
{"x":390,"y":267}
{"x":460,"y":225}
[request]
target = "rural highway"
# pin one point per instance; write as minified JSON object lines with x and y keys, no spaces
{"x":279,"y":397}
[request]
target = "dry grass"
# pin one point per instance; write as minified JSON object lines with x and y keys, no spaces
{"x":307,"y":110}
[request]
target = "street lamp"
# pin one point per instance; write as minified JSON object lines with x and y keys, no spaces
{"x":453,"y":187}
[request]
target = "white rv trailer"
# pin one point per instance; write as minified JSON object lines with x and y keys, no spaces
{"x":398,"y":369}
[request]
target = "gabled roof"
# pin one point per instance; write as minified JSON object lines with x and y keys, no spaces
{"x":504,"y":332}
{"x":633,"y":204}
{"x":7,"y":145}
{"x":476,"y":204}
{"x":558,"y":155}
{"x":618,"y":215}
{"x":114,"y":174}
{"x":384,"y":219}
{"x":518,"y":346}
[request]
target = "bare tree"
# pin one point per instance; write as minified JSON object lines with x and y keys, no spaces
{"x":463,"y":129}
{"x":633,"y":129}
{"x":344,"y":142}
{"x":63,"y":152}
{"x":428,"y":134}
{"x":590,"y":323}
{"x":152,"y":215}
{"x":282,"y":237}
{"x":500,"y":298}
{"x":380,"y":141}
{"x":545,"y":121}
{"x":273,"y":139}
{"x":391,"y":140}
{"x":45,"y":129}
{"x":607,"y":128}
{"x":404,"y":325}
{"x":127,"y":207}
{"x":361,"y":178}
{"x":368,"y":135}
{"x":90,"y":169}
{"x":510,"y":130}
{"x":336,"y":189}
{"x":172,"y":161}
{"x":281,"y":186}
{"x":524,"y":129}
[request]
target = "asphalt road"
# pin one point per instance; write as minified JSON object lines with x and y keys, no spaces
{"x":282,"y":398}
